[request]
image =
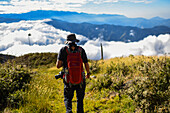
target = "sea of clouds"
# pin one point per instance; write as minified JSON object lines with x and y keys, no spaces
{"x":36,"y":36}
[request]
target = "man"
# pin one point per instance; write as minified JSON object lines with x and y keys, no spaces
{"x":62,"y":61}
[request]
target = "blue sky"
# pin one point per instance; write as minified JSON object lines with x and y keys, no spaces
{"x":129,"y":8}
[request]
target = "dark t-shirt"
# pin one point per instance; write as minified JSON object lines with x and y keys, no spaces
{"x":62,"y":56}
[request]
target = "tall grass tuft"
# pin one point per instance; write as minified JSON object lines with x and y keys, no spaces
{"x":44,"y":95}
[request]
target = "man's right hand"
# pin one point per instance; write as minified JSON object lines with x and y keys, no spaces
{"x":59,"y":63}
{"x":88,"y":75}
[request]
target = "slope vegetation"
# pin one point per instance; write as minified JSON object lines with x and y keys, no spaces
{"x":122,"y":84}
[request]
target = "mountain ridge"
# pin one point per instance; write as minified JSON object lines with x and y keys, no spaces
{"x":109,"y":32}
{"x":75,"y":17}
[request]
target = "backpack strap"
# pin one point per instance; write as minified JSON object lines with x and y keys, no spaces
{"x":80,"y":50}
{"x":68,"y":50}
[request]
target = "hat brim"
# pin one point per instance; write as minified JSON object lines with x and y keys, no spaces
{"x":68,"y":41}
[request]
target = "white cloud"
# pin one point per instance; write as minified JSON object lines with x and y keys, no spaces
{"x":43,"y":35}
{"x":150,"y":46}
{"x":113,"y":1}
{"x":138,"y":1}
{"x":21,"y":6}
{"x":3,"y":2}
{"x":14,"y":40}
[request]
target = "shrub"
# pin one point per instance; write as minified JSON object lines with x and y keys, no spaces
{"x":146,"y":81}
{"x":12,"y":79}
{"x":5,"y":58}
{"x":94,"y":67}
{"x":119,"y":69}
{"x":34,"y":60}
{"x":101,"y":82}
{"x":151,"y":92}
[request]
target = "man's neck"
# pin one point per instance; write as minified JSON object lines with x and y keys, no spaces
{"x":73,"y":48}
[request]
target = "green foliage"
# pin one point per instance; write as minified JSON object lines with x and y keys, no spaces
{"x":98,"y":104}
{"x":146,"y":82}
{"x":101,"y":82}
{"x":15,"y":99}
{"x":125,"y":85}
{"x":12,"y":79}
{"x":45,"y":94}
{"x":4,"y":58}
{"x":94,"y":67}
{"x":151,"y":92}
{"x":119,"y":69}
{"x":114,"y":78}
{"x":34,"y":60}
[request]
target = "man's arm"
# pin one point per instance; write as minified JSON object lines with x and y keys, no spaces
{"x":87,"y":70}
{"x":86,"y":64}
{"x":60,"y":58}
{"x":59,"y":63}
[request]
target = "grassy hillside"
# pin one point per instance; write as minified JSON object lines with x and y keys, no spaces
{"x":4,"y":58}
{"x":118,"y":85}
{"x":34,"y":60}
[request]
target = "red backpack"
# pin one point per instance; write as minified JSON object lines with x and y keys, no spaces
{"x":75,"y":67}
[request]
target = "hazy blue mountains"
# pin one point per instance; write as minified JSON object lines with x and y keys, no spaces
{"x":8,"y":20}
{"x":107,"y":26}
{"x":109,"y":32}
{"x":74,"y":17}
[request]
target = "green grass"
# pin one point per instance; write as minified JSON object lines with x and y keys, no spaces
{"x":104,"y":94}
{"x":45,"y":95}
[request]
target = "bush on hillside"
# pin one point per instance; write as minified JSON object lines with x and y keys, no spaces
{"x":119,"y":69}
{"x":34,"y":60}
{"x":13,"y":81}
{"x":4,"y":58}
{"x":100,"y":83}
{"x":94,"y":67}
{"x":146,"y":82}
{"x":151,"y":90}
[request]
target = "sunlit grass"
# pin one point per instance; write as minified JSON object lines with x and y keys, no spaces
{"x":45,"y":93}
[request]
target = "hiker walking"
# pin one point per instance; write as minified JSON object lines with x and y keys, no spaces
{"x":71,"y":58}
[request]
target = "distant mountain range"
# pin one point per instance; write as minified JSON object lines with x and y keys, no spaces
{"x":106,"y":26}
{"x":109,"y":32}
{"x":74,"y":17}
{"x":8,"y":20}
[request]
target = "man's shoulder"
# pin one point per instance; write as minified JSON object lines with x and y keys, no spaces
{"x":80,"y":47}
{"x":66,"y":47}
{"x":63,"y":48}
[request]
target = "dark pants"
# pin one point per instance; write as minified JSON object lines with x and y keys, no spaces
{"x":68,"y":96}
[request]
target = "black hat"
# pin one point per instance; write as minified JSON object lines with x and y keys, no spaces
{"x":71,"y":38}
